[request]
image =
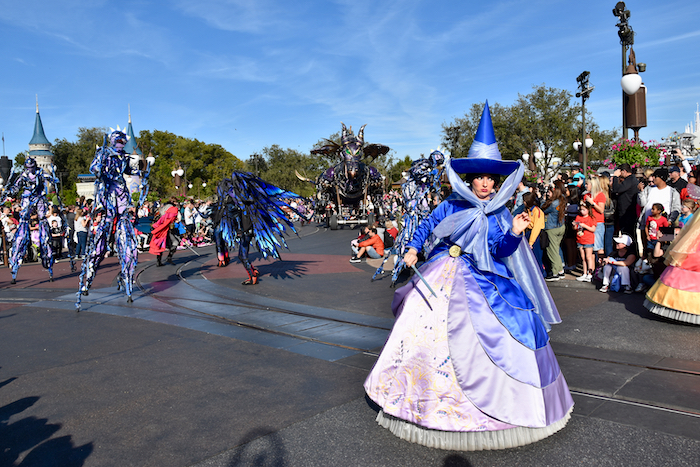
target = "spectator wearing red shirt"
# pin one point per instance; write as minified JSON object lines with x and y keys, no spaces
{"x":585,"y":227}
{"x":597,"y":200}
{"x":654,"y":224}
{"x":373,"y":247}
{"x":391,"y":230}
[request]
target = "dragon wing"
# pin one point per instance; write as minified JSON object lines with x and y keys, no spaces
{"x":266,"y":208}
{"x":372,"y":151}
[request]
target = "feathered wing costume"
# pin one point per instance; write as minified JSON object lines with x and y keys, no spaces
{"x":423,"y":181}
{"x":113,"y":200}
{"x":30,"y":188}
{"x":254,"y":211}
{"x":676,"y":293}
{"x":472,"y":368}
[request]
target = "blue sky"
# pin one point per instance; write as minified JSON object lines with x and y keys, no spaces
{"x":247,"y":74}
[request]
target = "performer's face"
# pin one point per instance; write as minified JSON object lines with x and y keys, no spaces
{"x":482,"y":185}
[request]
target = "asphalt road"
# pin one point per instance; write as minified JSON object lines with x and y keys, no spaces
{"x":201,"y":370}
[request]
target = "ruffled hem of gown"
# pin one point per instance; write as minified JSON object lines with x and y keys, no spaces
{"x":671,"y":313}
{"x":469,"y":440}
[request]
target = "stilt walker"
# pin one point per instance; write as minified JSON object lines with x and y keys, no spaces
{"x":30,"y":188}
{"x":113,"y":200}
{"x":423,"y":181}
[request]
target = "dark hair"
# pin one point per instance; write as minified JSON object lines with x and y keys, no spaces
{"x":529,"y":199}
{"x":574,"y":195}
{"x":662,"y":173}
{"x":626,"y":167}
{"x":373,"y":229}
{"x":558,"y":195}
{"x":469,"y":178}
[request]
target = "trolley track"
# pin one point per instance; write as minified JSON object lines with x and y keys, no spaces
{"x":178,"y":308}
{"x":209,"y":296}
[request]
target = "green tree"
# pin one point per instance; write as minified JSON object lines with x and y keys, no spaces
{"x":281,"y":164}
{"x":547,"y":120}
{"x":74,"y":158}
{"x":202,"y":162}
{"x":395,"y":171}
{"x":256,"y":164}
{"x":19,"y":160}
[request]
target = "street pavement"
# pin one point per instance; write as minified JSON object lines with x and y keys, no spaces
{"x":201,"y":370}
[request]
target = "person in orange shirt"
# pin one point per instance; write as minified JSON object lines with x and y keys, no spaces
{"x":373,"y":247}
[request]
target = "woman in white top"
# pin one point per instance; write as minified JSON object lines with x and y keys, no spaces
{"x":82,"y":224}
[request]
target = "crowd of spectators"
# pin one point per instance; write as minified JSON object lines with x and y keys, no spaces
{"x":72,"y":227}
{"x":610,"y":226}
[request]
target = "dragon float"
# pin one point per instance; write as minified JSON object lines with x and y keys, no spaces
{"x":351,"y":191}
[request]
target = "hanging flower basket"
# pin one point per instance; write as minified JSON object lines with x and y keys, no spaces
{"x":635,"y":153}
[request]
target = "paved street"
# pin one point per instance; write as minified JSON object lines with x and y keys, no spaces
{"x":202,"y":371}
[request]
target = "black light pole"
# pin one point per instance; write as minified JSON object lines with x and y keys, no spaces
{"x":584,"y":92}
{"x":626,"y":35}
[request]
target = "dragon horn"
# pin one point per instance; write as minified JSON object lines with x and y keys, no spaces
{"x":361,"y":134}
{"x":303,"y":179}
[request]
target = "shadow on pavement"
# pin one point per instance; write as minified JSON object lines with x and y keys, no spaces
{"x":32,"y":434}
{"x":269,"y":449}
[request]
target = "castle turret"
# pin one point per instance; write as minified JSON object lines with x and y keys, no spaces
{"x":39,"y":146}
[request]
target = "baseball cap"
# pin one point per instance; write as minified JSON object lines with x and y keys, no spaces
{"x":674,"y":168}
{"x":623,"y":238}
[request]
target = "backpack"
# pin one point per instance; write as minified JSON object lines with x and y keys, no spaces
{"x":388,"y":240}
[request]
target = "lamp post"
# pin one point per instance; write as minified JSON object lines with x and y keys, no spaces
{"x":578,"y":146}
{"x":585,"y":90}
{"x":177,"y":178}
{"x":635,"y":96}
{"x":532,"y":160}
{"x":631,"y":81}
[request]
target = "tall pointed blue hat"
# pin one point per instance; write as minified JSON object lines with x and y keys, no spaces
{"x":484,"y":156}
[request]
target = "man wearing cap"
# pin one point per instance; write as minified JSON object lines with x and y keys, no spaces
{"x":675,"y":180}
{"x":620,"y":261}
{"x":659,"y":193}
{"x":624,"y":189}
{"x":578,"y":179}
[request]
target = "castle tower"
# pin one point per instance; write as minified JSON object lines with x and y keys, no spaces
{"x":131,"y":146}
{"x":39,"y":146}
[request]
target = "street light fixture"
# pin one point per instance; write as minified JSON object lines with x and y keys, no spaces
{"x":177,"y":180}
{"x":631,"y":81}
{"x":532,"y":161}
{"x":585,"y":90}
{"x":579,"y":147}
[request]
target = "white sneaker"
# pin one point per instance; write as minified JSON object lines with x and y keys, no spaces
{"x":584,"y":278}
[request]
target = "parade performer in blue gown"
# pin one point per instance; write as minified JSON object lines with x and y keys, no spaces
{"x":30,"y":188}
{"x":471,"y":367}
{"x":252,"y":211}
{"x":113,"y":200}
